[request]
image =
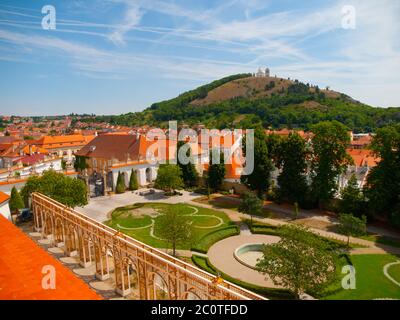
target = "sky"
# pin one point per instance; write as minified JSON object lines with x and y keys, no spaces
{"x":118,"y":56}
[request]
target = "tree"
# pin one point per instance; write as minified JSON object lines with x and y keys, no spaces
{"x":350,"y":225}
{"x":259,"y":179}
{"x":216,"y":173}
{"x":352,"y":198}
{"x":330,"y":158}
{"x":80,"y":163}
{"x":189,"y":173}
{"x":133,"y":183}
{"x":174,"y":228}
{"x":292,"y":162}
{"x":382,"y":189}
{"x":120,"y":187}
{"x":300,"y":261}
{"x":15,"y":202}
{"x":169,"y":177}
{"x":251,"y":205}
{"x":69,"y":191}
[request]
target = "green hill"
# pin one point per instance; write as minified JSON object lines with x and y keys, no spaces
{"x":243,"y":101}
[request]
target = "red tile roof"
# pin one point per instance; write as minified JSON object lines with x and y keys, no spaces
{"x":21,"y":263}
{"x":362,"y":157}
{"x":3,"y":197}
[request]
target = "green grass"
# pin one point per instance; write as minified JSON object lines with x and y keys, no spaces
{"x":394,"y":272}
{"x":371,"y":283}
{"x":205,"y":242}
{"x":123,"y":217}
{"x":382,"y":240}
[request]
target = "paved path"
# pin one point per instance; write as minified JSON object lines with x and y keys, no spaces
{"x":221,"y":256}
{"x":99,"y":207}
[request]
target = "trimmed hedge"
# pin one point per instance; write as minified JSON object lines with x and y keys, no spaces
{"x":205,"y":242}
{"x":270,"y":293}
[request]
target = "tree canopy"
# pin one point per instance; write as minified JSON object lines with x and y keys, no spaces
{"x":174,"y":228}
{"x":259,"y":179}
{"x":69,"y":191}
{"x":216,"y":173}
{"x":15,"y":202}
{"x":251,"y":205}
{"x":383,"y":182}
{"x":292,"y":160}
{"x":329,"y":159}
{"x":189,"y":173}
{"x":300,"y":261}
{"x":350,"y":225}
{"x":169,"y":177}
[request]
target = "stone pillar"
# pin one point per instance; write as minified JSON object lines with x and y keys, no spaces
{"x":122,"y":282}
{"x":70,"y":242}
{"x":141,"y":176}
{"x":85,"y":253}
{"x":153,"y":173}
{"x":101,"y":259}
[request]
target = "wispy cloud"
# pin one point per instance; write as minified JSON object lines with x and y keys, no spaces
{"x":131,"y":19}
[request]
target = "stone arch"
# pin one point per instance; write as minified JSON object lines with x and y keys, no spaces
{"x":148,"y":175}
{"x":58,"y":230}
{"x":158,"y":287}
{"x":48,"y":224}
{"x":191,"y":294}
{"x":132,"y":270}
{"x":72,"y":238}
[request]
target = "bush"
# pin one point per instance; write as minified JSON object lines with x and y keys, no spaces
{"x":120,"y":188}
{"x":205,"y":242}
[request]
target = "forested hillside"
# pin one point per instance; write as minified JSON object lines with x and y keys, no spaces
{"x":242,"y":101}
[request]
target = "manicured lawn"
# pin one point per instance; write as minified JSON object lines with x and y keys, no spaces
{"x":382,"y":240}
{"x":394,"y":272}
{"x":226,"y":202}
{"x":371,"y":283}
{"x":143,"y":216}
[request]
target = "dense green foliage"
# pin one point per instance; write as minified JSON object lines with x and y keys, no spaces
{"x":133,"y":183}
{"x":282,"y":109}
{"x":259,"y":178}
{"x":350,"y":225}
{"x":69,"y":191}
{"x":383,"y":183}
{"x":291,"y":159}
{"x":300,"y":261}
{"x":174,"y":227}
{"x":329,"y":159}
{"x":80,"y":163}
{"x":189,"y":173}
{"x":251,"y":205}
{"x":169,"y":177}
{"x":15,"y":202}
{"x":216,"y":173}
{"x":120,"y":187}
{"x":352,"y":198}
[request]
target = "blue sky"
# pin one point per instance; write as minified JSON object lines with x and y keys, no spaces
{"x":117,"y":56}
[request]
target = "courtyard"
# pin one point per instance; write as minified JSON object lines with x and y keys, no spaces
{"x":219,"y":230}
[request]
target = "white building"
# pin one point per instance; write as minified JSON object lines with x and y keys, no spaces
{"x":4,"y":208}
{"x":262,"y":73}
